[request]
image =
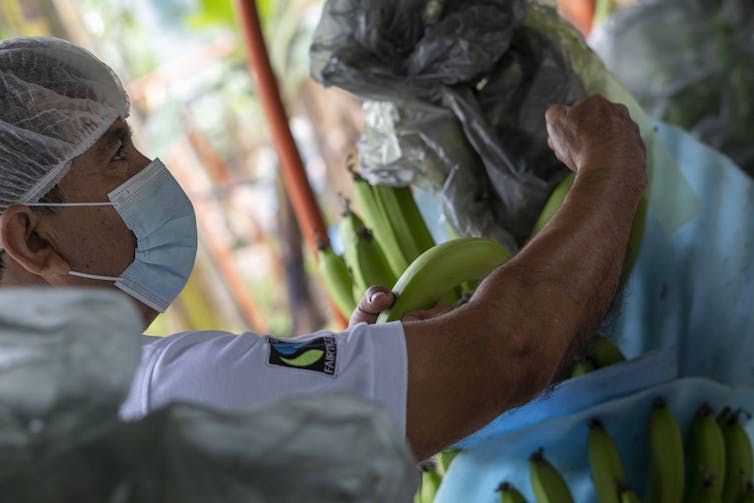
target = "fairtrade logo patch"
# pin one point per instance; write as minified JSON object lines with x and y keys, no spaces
{"x":318,"y":354}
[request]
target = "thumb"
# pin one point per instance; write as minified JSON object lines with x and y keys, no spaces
{"x":375,"y":300}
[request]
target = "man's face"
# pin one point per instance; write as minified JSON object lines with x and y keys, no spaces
{"x":92,"y":240}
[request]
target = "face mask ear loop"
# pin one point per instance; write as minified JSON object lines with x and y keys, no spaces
{"x":93,"y":276}
{"x":74,"y":273}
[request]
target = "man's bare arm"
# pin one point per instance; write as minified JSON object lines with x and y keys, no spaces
{"x":506,"y":344}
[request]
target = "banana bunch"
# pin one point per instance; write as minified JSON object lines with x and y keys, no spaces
{"x":509,"y":494}
{"x":601,"y":353}
{"x":546,"y":481}
{"x":394,"y":218}
{"x":380,"y":241}
{"x":666,"y":462}
{"x":608,"y":474}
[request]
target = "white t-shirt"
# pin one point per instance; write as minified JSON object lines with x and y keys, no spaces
{"x":229,"y":371}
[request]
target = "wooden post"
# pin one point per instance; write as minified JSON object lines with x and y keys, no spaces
{"x":304,"y":203}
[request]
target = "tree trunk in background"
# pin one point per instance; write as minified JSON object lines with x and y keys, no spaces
{"x":306,"y":314}
{"x":337,"y":121}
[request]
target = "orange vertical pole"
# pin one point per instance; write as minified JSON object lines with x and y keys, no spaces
{"x":579,"y":12}
{"x":304,"y":203}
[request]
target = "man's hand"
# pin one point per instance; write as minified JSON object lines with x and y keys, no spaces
{"x":378,"y":298}
{"x":595,"y":134}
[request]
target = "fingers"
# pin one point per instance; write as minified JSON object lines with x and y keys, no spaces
{"x":593,"y":129}
{"x":375,"y":300}
{"x":438,"y":310}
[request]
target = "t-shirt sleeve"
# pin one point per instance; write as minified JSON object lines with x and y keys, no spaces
{"x":230,"y":371}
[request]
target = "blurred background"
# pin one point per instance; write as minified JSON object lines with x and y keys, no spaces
{"x":194,"y":105}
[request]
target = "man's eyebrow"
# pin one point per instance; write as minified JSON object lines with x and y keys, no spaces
{"x":120,"y":132}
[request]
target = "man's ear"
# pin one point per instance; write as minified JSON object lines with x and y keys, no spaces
{"x":19,"y":226}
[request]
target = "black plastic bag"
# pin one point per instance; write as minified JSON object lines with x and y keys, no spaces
{"x":474,"y":59}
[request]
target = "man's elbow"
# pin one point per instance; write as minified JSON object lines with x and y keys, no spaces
{"x":530,"y":358}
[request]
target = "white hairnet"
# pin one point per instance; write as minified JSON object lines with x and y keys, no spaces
{"x":56,"y":101}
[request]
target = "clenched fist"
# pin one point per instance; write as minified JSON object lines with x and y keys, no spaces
{"x":596,"y":134}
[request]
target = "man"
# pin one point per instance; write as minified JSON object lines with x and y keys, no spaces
{"x":81,"y":206}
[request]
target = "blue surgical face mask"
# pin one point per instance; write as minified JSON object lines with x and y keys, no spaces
{"x":157,"y":210}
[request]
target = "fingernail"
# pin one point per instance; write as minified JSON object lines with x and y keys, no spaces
{"x":375,"y":296}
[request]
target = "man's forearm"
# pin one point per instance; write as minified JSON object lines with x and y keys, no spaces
{"x":566,"y":278}
{"x":505,"y":346}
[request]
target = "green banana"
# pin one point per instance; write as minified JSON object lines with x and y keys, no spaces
{"x":738,"y":459}
{"x":420,"y":233}
{"x":708,"y":493}
{"x":440,"y":269}
{"x":509,"y":494}
{"x":582,"y":367}
{"x":603,"y":352}
{"x":350,"y":222}
{"x":628,"y":496}
{"x":553,"y":203}
{"x":469,"y":286}
{"x":605,"y":463}
{"x":445,"y":457}
{"x":371,"y":267}
{"x":635,"y":238}
{"x":337,"y":280}
{"x":748,"y":496}
{"x":705,"y":451}
{"x":394,"y":202}
{"x":378,"y":222}
{"x":546,"y":481}
{"x":666,"y":466}
{"x":431,"y":481}
{"x":363,"y":255}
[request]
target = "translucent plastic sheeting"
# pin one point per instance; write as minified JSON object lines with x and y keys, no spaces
{"x":67,"y":357}
{"x":327,"y":448}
